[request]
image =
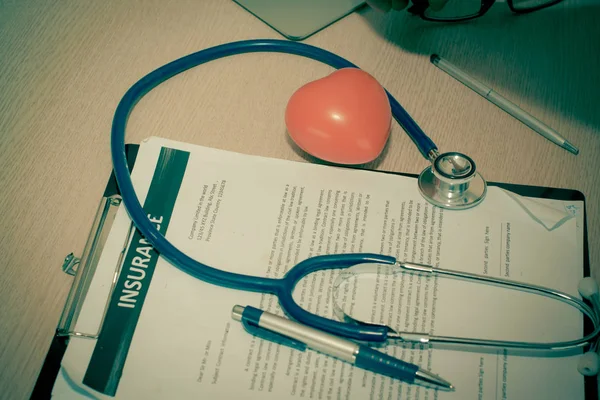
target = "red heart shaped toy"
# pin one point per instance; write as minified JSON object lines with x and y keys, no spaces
{"x":343,"y":118}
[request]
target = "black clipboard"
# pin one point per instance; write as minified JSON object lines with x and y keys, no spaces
{"x":83,"y":268}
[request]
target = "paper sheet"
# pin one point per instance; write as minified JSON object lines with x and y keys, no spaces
{"x":261,"y":216}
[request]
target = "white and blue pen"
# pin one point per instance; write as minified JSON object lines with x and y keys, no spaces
{"x":284,"y":331}
{"x":502,"y":102}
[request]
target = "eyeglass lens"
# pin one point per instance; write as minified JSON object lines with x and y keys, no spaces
{"x":523,"y":5}
{"x":461,"y":9}
{"x":454,"y":9}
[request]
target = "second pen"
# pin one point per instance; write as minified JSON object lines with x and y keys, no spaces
{"x":284,"y":331}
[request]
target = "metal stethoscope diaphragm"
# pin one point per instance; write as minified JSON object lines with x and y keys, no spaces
{"x":452,"y":181}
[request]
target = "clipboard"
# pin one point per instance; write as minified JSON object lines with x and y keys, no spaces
{"x":83,"y":268}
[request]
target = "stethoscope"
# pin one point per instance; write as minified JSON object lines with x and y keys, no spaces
{"x":450,"y":182}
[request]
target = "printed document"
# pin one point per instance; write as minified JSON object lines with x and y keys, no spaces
{"x":165,"y":334}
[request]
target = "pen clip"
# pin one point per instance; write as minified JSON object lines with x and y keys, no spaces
{"x":272,"y":336}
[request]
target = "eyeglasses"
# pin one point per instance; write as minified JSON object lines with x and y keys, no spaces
{"x":461,"y":10}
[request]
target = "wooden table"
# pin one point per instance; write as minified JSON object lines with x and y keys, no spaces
{"x":65,"y":65}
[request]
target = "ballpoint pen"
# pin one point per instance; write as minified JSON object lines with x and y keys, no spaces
{"x":285,"y":331}
{"x":506,"y":105}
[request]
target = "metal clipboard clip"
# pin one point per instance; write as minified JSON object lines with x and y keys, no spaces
{"x":83,"y":268}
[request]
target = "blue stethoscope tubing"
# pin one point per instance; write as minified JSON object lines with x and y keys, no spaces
{"x":283,"y":287}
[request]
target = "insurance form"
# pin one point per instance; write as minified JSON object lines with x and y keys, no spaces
{"x":165,"y":334}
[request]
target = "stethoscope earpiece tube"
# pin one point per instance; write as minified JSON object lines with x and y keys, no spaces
{"x":366,"y":332}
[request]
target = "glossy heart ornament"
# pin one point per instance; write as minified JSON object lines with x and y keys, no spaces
{"x":343,"y":118}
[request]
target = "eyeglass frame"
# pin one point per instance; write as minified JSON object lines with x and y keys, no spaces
{"x":420,"y":6}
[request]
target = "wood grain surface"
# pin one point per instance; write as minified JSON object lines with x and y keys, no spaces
{"x":64,"y":65}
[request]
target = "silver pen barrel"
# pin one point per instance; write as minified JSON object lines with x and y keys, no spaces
{"x":313,"y":338}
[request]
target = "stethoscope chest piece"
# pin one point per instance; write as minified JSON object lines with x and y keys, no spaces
{"x":452,"y":182}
